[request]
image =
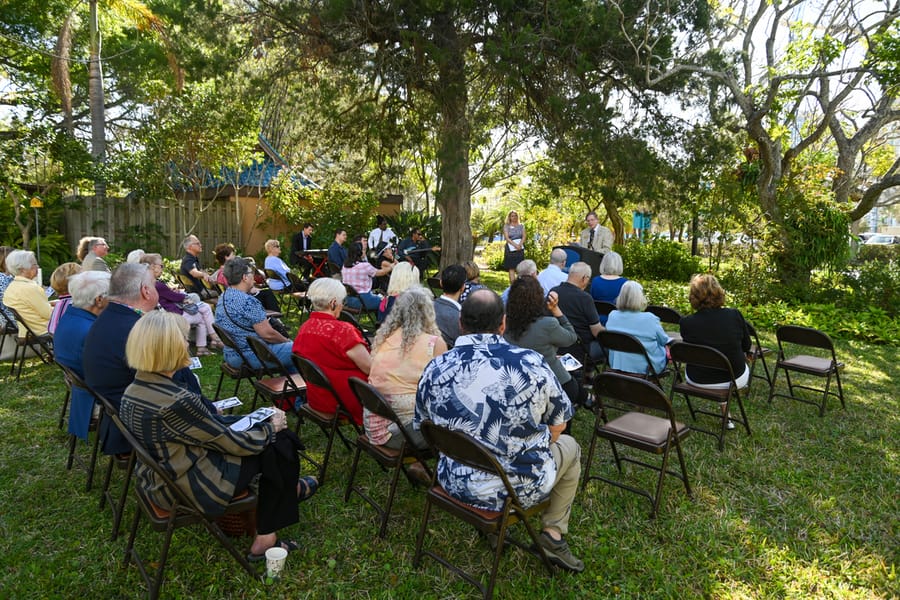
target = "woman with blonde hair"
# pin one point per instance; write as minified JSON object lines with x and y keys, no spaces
{"x":59,"y":281}
{"x":405,"y":343}
{"x":403,"y":277}
{"x":190,"y":307}
{"x":514,"y":249}
{"x":208,"y":460}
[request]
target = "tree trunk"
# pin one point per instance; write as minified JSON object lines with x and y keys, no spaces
{"x":97,"y":104}
{"x":454,"y":193}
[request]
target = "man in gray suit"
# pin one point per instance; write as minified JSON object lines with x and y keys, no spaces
{"x":446,"y":307}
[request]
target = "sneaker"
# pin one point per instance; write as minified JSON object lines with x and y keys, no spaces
{"x":559,"y":554}
{"x":730,"y":425}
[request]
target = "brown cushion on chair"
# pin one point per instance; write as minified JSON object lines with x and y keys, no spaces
{"x":389,"y":453}
{"x":641,"y":426}
{"x":487,"y":515}
{"x":809,"y":363}
{"x":702,"y":392}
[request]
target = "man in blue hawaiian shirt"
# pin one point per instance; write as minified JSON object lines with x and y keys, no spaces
{"x":509,"y":399}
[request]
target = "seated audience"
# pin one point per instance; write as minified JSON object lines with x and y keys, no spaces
{"x":605,"y":286}
{"x":242,"y":316}
{"x":579,"y":307}
{"x":59,"y":281}
{"x":416,"y":249}
{"x":447,"y":305}
{"x":26,"y":295}
{"x":525,"y":268}
{"x":278,"y":266}
{"x":358,"y":273}
{"x":721,"y":328}
{"x":406,"y":342}
{"x":5,"y":280}
{"x":337,"y":254}
{"x":192,"y":309}
{"x":403,"y":277}
{"x":208,"y":461}
{"x":334,"y":346}
{"x":553,"y":275}
{"x":383,"y":260}
{"x":529,"y":326}
{"x":193,"y":270}
{"x":89,"y":291}
{"x":509,"y":400}
{"x":629,"y":317}
{"x":91,"y":251}
{"x":224,"y":253}
{"x":473,"y":280}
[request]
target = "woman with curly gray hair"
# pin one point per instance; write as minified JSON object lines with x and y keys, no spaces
{"x":406,"y":342}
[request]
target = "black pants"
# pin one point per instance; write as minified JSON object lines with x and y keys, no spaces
{"x":280,"y":468}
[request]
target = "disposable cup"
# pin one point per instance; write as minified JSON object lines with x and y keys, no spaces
{"x":275,"y":558}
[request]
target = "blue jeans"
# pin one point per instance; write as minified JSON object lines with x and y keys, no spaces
{"x":282,"y":351}
{"x":369,"y":300}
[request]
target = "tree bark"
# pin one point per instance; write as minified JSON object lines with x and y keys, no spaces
{"x":97,"y":104}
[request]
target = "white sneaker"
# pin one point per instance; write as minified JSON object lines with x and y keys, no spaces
{"x":730,"y":425}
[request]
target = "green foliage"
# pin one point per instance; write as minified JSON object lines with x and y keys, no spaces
{"x":406,"y":220}
{"x":492,"y":255}
{"x":884,"y":56}
{"x":878,"y":252}
{"x":340,"y":206}
{"x":875,"y":284}
{"x":658,"y":259}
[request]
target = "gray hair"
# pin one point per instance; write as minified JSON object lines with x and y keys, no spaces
{"x":135,"y":256}
{"x":581,"y":269}
{"x":611,"y":264}
{"x":188,"y":241}
{"x":126,"y":281}
{"x":631,"y":297}
{"x":558,"y":257}
{"x":20,"y":260}
{"x":403,"y":276}
{"x":96,"y":242}
{"x":86,"y":286}
{"x":323,"y":290}
{"x":413,"y":314}
{"x":526,"y":267}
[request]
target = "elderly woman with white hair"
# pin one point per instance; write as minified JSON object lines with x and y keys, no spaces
{"x":406,"y":342}
{"x":605,"y":286}
{"x":334,"y":346}
{"x":89,"y":291}
{"x":25,"y":295}
{"x":629,"y":317}
{"x":403,"y":276}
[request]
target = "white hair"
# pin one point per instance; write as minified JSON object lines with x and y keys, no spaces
{"x":558,"y":257}
{"x":403,"y":276}
{"x":631,"y":297}
{"x":323,"y":290}
{"x":580,"y":269}
{"x":611,"y":264}
{"x":135,"y":256}
{"x":86,"y":286}
{"x":526,"y":267}
{"x":20,"y":260}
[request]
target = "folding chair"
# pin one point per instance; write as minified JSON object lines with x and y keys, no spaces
{"x":638,"y":429}
{"x":75,"y":381}
{"x":333,"y":269}
{"x":245,"y":371}
{"x":66,"y":398}
{"x":625,"y":342}
{"x":182,"y":513}
{"x":115,"y":461}
{"x":464,"y":449}
{"x":434,"y":283}
{"x":298,"y":293}
{"x":362,"y":311}
{"x":669,"y":316}
{"x":683,"y":355}
{"x":274,"y":383}
{"x":329,"y":423}
{"x":604,"y":308}
{"x":757,"y":354}
{"x":9,"y":328}
{"x":348,"y":317}
{"x":388,"y":458}
{"x":805,"y":364}
{"x":41,"y":345}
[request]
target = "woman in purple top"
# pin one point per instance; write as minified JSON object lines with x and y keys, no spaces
{"x":173,"y":300}
{"x":59,"y":281}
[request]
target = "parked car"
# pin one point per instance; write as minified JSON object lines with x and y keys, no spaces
{"x":883,"y":239}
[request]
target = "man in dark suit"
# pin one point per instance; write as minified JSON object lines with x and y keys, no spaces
{"x":446,"y":307}
{"x":300,"y":244}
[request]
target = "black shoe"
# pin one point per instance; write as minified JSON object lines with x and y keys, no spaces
{"x":559,"y":554}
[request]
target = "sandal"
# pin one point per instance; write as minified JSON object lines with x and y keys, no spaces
{"x":203,"y":351}
{"x":216,"y":344}
{"x":289,"y":545}
{"x":308,"y":488}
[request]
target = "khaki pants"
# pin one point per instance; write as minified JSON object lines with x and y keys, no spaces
{"x":567,"y":456}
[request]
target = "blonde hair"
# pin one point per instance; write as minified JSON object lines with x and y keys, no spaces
{"x":157,"y":343}
{"x":403,"y":276}
{"x":272,"y":244}
{"x":706,"y":292}
{"x":59,"y":279}
{"x":472,"y":270}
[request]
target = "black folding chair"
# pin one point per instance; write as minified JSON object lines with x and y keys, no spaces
{"x":757,"y":354}
{"x":245,"y":371}
{"x":639,"y":430}
{"x":619,"y":341}
{"x":804,"y":364}
{"x":669,"y":316}
{"x":41,"y":345}
{"x":466,"y":450}
{"x":604,"y":308}
{"x":76,"y":381}
{"x":393,"y":460}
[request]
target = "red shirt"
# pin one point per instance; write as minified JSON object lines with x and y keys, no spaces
{"x":325,"y":341}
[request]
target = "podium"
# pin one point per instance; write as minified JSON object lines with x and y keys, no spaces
{"x":577,"y":253}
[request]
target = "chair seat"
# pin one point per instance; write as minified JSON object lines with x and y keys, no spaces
{"x":720,"y":395}
{"x":385,"y":454}
{"x":487,"y":518}
{"x":813,"y":365}
{"x":276,"y":385}
{"x":316,"y":415}
{"x":644,"y":428}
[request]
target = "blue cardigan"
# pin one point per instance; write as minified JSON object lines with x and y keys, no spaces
{"x":646,"y":328}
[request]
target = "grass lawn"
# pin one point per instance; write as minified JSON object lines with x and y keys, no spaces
{"x":806,"y":507}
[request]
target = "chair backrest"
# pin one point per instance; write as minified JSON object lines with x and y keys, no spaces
{"x":435,"y":284}
{"x":186,"y":282}
{"x":273,"y":274}
{"x":351,"y":291}
{"x":804,"y":336}
{"x":313,"y":375}
{"x":603,"y":307}
{"x":296,"y":283}
{"x":229,"y":342}
{"x":373,"y":401}
{"x":700,"y":356}
{"x":29,"y":332}
{"x":9,"y":323}
{"x":638,"y":392}
{"x":270,"y":365}
{"x":334,"y":269}
{"x":74,"y":379}
{"x":625,"y":342}
{"x":665,"y":314}
{"x":466,"y":450}
{"x":347,"y":317}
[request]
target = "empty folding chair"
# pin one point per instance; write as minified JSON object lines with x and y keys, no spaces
{"x":669,"y":316}
{"x":828,"y":366}
{"x":640,"y":429}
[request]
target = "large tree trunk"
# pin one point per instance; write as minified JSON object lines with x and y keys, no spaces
{"x":97,"y":104}
{"x":454,"y":193}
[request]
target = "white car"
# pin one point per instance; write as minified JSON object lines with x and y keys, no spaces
{"x":882,"y":239}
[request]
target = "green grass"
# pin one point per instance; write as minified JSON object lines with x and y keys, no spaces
{"x":806,"y":507}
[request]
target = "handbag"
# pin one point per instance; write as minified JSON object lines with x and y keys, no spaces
{"x":189,"y":307}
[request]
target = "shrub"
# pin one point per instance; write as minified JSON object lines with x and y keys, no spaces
{"x":659,"y":259}
{"x":875,"y":283}
{"x":877,"y":252}
{"x":492,"y":256}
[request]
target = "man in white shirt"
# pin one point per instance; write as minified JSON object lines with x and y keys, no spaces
{"x":553,"y":275}
{"x":596,"y":237}
{"x":381,"y":236}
